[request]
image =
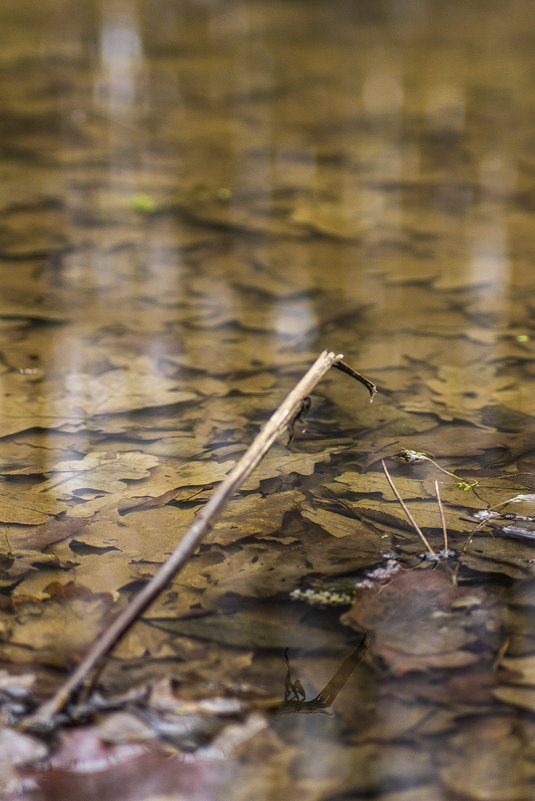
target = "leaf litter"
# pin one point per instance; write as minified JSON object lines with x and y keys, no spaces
{"x":108,"y":455}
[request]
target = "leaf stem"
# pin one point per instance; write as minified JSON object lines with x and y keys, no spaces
{"x":410,"y":518}
{"x":442,"y":518}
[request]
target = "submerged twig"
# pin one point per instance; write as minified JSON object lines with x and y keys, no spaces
{"x":410,"y":518}
{"x":466,"y":545}
{"x":277,"y":424}
{"x":301,"y":412}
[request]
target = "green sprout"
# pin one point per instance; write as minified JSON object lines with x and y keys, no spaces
{"x":464,"y":485}
{"x":142,"y":203}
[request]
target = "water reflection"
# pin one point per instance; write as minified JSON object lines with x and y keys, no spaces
{"x":295,"y":699}
{"x":121,"y":57}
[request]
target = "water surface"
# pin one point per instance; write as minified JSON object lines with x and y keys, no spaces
{"x":196,"y":199}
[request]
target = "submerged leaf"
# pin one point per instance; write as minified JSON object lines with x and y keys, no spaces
{"x":417,"y":620}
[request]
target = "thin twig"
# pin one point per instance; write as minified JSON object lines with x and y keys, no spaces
{"x":267,"y":436}
{"x":345,"y":368}
{"x":411,"y":457}
{"x":442,"y":518}
{"x":469,"y":539}
{"x":406,"y":510}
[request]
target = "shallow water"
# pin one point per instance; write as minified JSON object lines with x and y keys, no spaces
{"x":197,"y":198}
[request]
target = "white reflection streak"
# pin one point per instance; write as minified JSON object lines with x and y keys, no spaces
{"x":294,"y":318}
{"x":490,"y":263}
{"x":382,"y":102}
{"x":120,"y":53}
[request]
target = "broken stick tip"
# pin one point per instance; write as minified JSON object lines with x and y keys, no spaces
{"x":345,"y":368}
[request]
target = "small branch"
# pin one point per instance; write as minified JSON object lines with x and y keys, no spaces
{"x":267,"y":436}
{"x":410,"y":518}
{"x":345,"y":368}
{"x":465,"y":548}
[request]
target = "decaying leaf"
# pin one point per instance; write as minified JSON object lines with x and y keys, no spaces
{"x":254,"y":517}
{"x":421,"y":620}
{"x":30,"y":509}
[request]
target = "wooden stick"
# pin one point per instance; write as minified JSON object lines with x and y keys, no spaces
{"x":267,"y":436}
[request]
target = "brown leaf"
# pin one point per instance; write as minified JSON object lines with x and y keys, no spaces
{"x":29,"y":508}
{"x":253,"y":516}
{"x":414,"y":623}
{"x":48,"y":533}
